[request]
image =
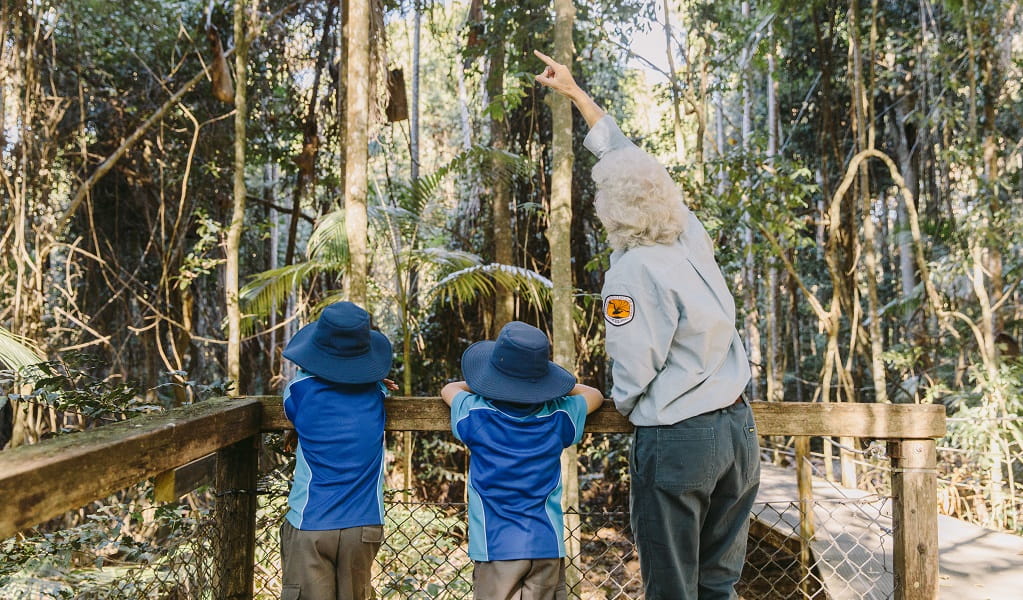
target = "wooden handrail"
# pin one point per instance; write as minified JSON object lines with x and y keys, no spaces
{"x":877,"y":421}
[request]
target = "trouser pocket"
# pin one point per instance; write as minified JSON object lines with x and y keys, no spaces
{"x":685,"y":458}
{"x":373,"y":534}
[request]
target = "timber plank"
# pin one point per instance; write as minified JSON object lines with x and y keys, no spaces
{"x":44,"y":480}
{"x":841,"y":419}
{"x":881,"y":421}
{"x":429,"y":413}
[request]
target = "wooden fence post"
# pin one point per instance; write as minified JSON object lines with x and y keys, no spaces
{"x":915,"y":518}
{"x":235,"y":516}
{"x":804,"y":483}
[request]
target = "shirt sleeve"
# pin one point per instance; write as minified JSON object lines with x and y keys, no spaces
{"x":605,"y":136}
{"x":575,"y":408}
{"x":291,"y":401}
{"x":460,"y":406}
{"x":639,"y":343}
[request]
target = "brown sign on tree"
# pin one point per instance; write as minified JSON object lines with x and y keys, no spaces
{"x":397,"y":99}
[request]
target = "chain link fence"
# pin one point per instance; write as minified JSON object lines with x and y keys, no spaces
{"x":425,"y":552}
{"x":128,"y":547}
{"x":980,"y":477}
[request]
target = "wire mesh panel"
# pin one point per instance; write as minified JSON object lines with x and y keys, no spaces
{"x":425,"y":553}
{"x":824,"y":540}
{"x":848,"y":555}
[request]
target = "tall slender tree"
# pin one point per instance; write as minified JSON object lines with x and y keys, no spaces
{"x":559,"y":237}
{"x":357,"y":147}
{"x":234,"y":232}
{"x":504,"y":243}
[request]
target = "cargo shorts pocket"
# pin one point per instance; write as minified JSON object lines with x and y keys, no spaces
{"x":373,"y":534}
{"x":685,"y":458}
{"x":291,"y":591}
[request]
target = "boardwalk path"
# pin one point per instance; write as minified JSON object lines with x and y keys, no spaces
{"x":853,"y":543}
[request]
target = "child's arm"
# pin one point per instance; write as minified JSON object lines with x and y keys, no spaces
{"x":594,"y":398}
{"x":449,"y":391}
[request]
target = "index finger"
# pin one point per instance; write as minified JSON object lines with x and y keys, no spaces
{"x":550,"y":61}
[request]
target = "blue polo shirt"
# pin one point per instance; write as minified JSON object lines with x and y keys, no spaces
{"x":515,"y":474}
{"x":339,"y":463}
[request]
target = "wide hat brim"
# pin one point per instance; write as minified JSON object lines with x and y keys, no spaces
{"x":372,"y":366}
{"x":487,"y":381}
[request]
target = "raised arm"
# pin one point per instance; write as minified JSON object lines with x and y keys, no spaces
{"x":558,"y":77}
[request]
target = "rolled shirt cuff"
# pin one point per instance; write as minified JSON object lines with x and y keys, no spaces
{"x":604,"y":137}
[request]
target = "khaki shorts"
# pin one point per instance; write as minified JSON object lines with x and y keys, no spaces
{"x":335,"y":564}
{"x":540,"y":579}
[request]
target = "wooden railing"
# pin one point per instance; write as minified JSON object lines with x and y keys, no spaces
{"x":45,"y":480}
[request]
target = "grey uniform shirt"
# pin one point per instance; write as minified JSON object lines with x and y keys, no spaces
{"x":670,"y":321}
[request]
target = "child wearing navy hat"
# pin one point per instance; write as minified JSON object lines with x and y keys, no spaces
{"x":516,"y":411}
{"x":334,"y":525}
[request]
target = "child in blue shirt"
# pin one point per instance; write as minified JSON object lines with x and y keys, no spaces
{"x":334,"y":525}
{"x":516,"y":411}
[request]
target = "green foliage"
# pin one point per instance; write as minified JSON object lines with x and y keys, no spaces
{"x":74,"y":384}
{"x":199,"y":262}
{"x":398,"y":220}
{"x":479,"y":280}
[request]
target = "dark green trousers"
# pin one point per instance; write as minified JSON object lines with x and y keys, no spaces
{"x":693,"y":485}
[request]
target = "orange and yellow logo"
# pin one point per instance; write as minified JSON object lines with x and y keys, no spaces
{"x":618,"y":310}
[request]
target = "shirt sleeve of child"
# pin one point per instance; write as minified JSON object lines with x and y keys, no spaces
{"x":460,"y":407}
{"x":291,"y":402}
{"x":575,"y":408}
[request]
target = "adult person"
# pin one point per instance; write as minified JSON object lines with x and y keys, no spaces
{"x":679,"y":369}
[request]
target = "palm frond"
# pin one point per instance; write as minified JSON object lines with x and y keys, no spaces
{"x":17,"y":351}
{"x":267,"y":292}
{"x":329,"y":298}
{"x":476,"y":281}
{"x":446,"y":259}
{"x":329,"y":239}
{"x":491,"y":163}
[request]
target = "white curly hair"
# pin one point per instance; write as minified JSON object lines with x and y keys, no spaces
{"x":636,"y":200}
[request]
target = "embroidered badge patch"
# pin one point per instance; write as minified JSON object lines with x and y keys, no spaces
{"x":619,"y":310}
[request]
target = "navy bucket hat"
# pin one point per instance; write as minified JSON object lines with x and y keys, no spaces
{"x":341,"y":347}
{"x":515,"y":367}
